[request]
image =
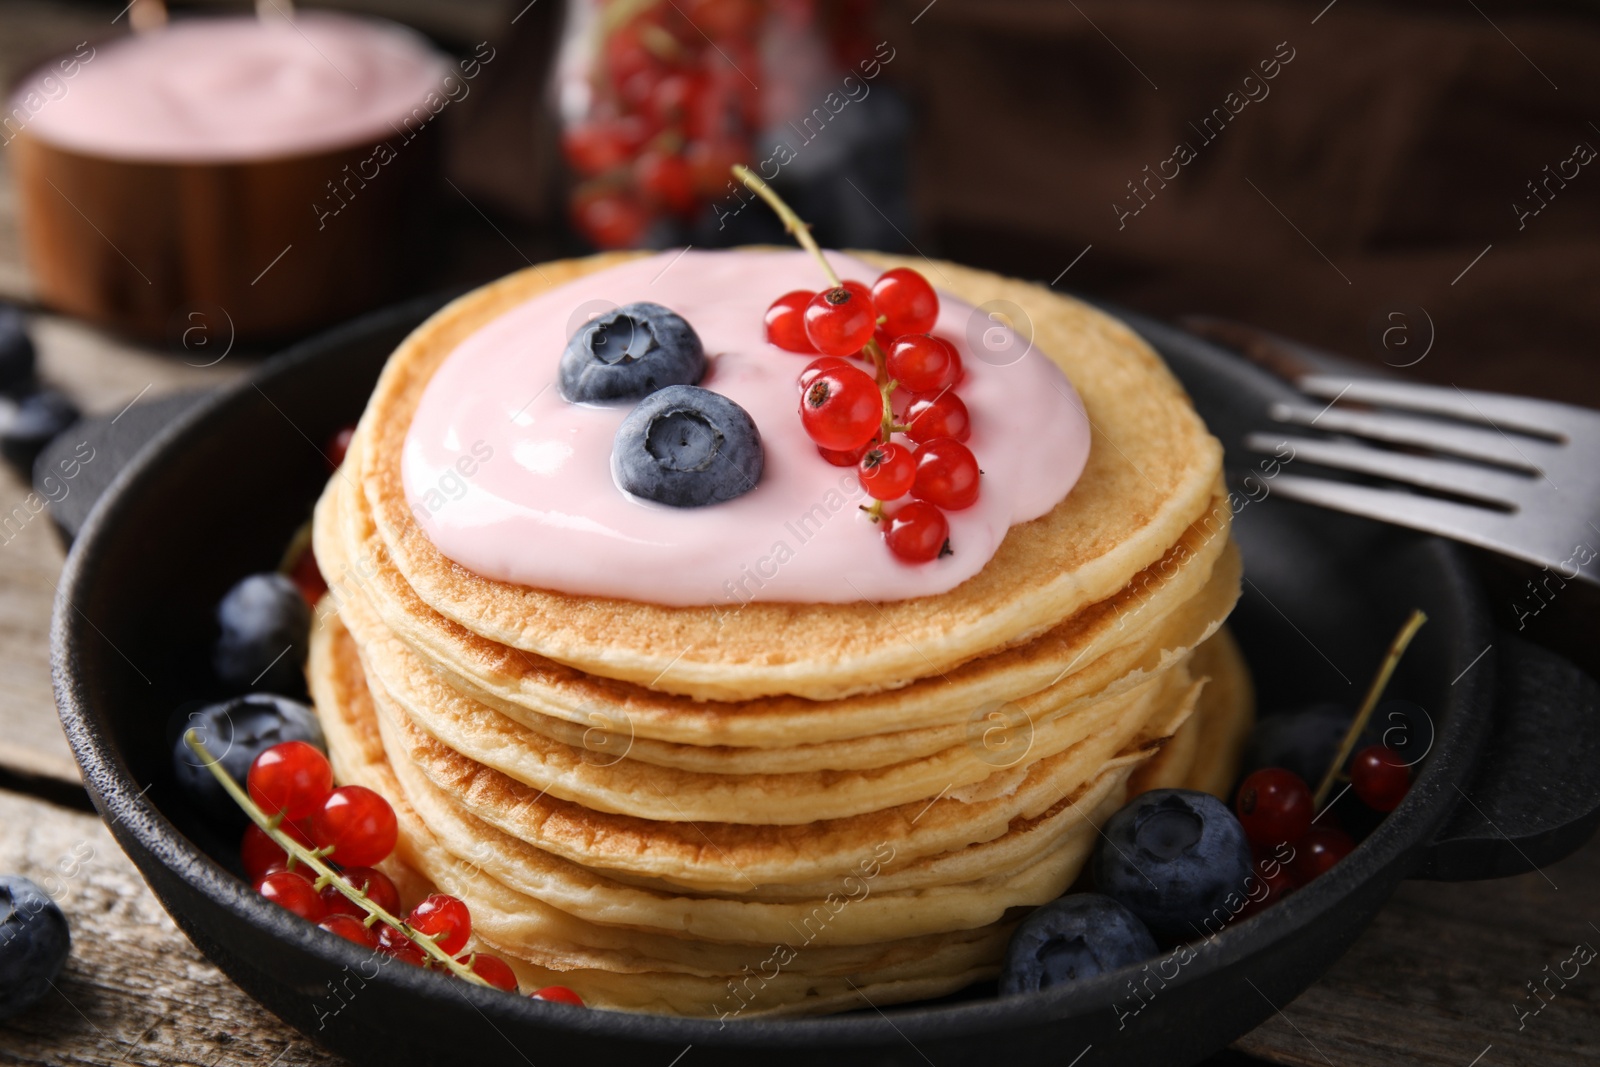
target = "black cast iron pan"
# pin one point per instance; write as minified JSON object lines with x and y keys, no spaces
{"x":1510,"y":781}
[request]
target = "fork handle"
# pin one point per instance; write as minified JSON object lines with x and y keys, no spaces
{"x":1535,"y":798}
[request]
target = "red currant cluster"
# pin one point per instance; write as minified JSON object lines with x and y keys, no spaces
{"x":854,"y":415}
{"x":672,"y":113}
{"x":1276,"y":808}
{"x":353,"y":827}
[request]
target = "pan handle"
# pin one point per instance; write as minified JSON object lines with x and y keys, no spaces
{"x":1536,"y":796}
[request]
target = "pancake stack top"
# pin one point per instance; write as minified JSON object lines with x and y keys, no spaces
{"x":825,"y":805}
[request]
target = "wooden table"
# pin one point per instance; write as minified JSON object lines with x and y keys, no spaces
{"x":1437,"y":979}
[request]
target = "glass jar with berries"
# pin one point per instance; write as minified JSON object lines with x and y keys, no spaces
{"x":657,"y":99}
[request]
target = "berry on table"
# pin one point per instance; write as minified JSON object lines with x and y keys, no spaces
{"x":1317,"y":851}
{"x":357,"y":824}
{"x":1274,"y":806}
{"x":351,"y":928}
{"x":292,"y":891}
{"x":786,"y":322}
{"x":841,"y":408}
{"x":557,"y":994}
{"x":941,"y":415}
{"x":1380,"y":777}
{"x":34,"y":943}
{"x":1072,"y":938}
{"x":444,"y":918}
{"x":32,"y":420}
{"x":924,"y":363}
{"x":292,"y":778}
{"x":887,"y":470}
{"x":839,"y":321}
{"x":947,"y":474}
{"x":906,"y":301}
{"x":918,"y":532}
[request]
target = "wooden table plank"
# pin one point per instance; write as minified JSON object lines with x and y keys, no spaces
{"x":134,"y":990}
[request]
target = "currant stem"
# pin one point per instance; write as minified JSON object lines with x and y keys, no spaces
{"x":791,"y":221}
{"x":1380,"y":681}
{"x":312,"y":858}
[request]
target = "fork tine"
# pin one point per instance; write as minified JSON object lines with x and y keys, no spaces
{"x":1462,"y":522}
{"x":1485,"y":445}
{"x":1541,"y":418}
{"x":1448,"y":476}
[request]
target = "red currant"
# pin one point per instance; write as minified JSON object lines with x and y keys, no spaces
{"x":1380,"y":777}
{"x":379,"y":889}
{"x":840,"y":321}
{"x":293,"y":778}
{"x":711,"y":160}
{"x":290,"y":890}
{"x":665,"y":179}
{"x":558,"y":994}
{"x":847,"y":458}
{"x":1274,"y":806}
{"x":918,"y":532}
{"x":817,"y":366}
{"x":358,"y":824}
{"x":338,"y":445}
{"x":352,"y":929}
{"x":259,"y":853}
{"x":947,"y":474}
{"x":610,"y":220}
{"x":924,"y":363}
{"x":391,"y":942}
{"x":887,"y":471}
{"x":906,"y":300}
{"x":841,"y":408}
{"x":445,"y":918}
{"x":941,"y":415}
{"x":1317,"y":851}
{"x":494,"y":970}
{"x":674,"y":98}
{"x":307,"y":577}
{"x":726,"y":18}
{"x":786,"y":322}
{"x":602,"y":145}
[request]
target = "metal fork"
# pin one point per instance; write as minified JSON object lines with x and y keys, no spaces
{"x":1522,"y":476}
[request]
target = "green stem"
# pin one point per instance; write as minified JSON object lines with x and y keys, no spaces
{"x":785,"y":213}
{"x":802,"y":233}
{"x":1380,"y":681}
{"x":326,"y":875}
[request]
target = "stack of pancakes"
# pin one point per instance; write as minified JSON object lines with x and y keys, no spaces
{"x":785,"y":808}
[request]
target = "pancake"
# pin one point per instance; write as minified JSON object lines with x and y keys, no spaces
{"x":619,"y":963}
{"x":1152,"y":473}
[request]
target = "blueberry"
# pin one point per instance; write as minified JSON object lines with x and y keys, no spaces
{"x":1071,"y":938}
{"x":1178,"y":859}
{"x":266,"y":627}
{"x":1303,"y":740}
{"x":16,"y":352}
{"x":236,"y":732}
{"x":31,"y":421}
{"x":687,"y":447}
{"x":34,"y":941}
{"x":629,"y":353}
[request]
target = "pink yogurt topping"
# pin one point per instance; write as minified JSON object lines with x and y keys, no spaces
{"x":226,"y":89}
{"x":514,"y":483}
